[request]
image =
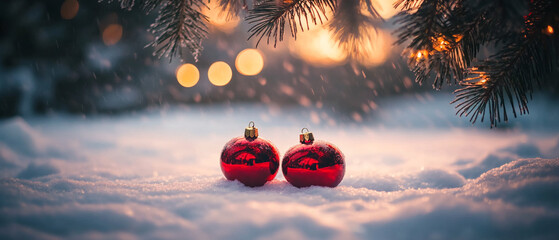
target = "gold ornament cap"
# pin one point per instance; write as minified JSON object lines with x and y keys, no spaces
{"x":306,"y":137}
{"x":251,"y":131}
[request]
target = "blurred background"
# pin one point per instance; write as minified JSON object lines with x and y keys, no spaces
{"x":99,"y":139}
{"x":90,"y":58}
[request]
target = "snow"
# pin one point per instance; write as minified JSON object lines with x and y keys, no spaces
{"x":154,"y":174}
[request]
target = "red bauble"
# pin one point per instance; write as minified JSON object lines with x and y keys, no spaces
{"x":312,"y":162}
{"x":251,"y":160}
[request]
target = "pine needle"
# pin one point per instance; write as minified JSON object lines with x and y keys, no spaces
{"x":268,"y":19}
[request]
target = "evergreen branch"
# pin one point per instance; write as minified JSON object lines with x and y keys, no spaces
{"x":451,"y":34}
{"x":435,"y":46}
{"x":491,"y":21}
{"x":179,"y":25}
{"x":371,"y":9}
{"x":150,"y":5}
{"x":482,"y":93}
{"x":268,"y":19}
{"x":351,"y":27}
{"x":232,"y":7}
{"x":511,"y":74}
{"x":474,"y":27}
{"x":407,"y":4}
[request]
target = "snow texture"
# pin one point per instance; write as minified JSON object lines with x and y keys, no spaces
{"x":155,"y":175}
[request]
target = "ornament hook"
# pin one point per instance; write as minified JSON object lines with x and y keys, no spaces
{"x":306,"y":137}
{"x":251,"y":132}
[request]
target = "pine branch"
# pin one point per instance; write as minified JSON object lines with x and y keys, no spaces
{"x":480,"y":94}
{"x":434,"y":46}
{"x":408,"y":4}
{"x":150,"y":5}
{"x":443,"y":39}
{"x":351,"y":27}
{"x":491,"y":21}
{"x":232,"y":7}
{"x":268,"y":19}
{"x":449,"y":34}
{"x":462,"y":27}
{"x":179,"y":25}
{"x":510,"y":75}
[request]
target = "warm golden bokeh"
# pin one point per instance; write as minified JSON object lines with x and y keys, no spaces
{"x":249,"y":62}
{"x":219,"y":18}
{"x":440,"y":44}
{"x":318,"y":48}
{"x":384,"y":8}
{"x":419,"y":55}
{"x":112,"y":34}
{"x":220,"y":73}
{"x":69,"y":9}
{"x":188,"y":75}
{"x":374,"y":48}
{"x":549,"y":29}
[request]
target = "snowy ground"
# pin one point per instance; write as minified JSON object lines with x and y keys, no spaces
{"x":414,"y":171}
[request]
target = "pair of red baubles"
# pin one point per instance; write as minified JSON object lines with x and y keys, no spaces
{"x":254,"y":161}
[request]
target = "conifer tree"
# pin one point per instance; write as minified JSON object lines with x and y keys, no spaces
{"x":442,"y":40}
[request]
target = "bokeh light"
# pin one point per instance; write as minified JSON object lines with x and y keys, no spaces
{"x":549,"y":29}
{"x":440,"y":44}
{"x":112,"y":34}
{"x":385,"y":8}
{"x":419,"y":55}
{"x":219,"y":19}
{"x":220,"y":73}
{"x":69,"y":9}
{"x":375,"y":47}
{"x":249,"y":62}
{"x":318,"y":48}
{"x":188,"y":75}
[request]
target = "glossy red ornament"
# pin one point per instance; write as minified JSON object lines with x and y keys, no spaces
{"x":312,"y":162}
{"x":249,"y":159}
